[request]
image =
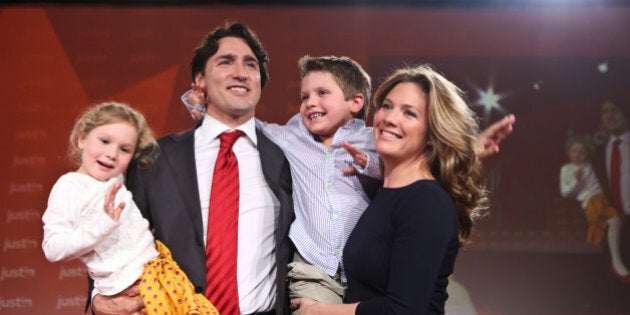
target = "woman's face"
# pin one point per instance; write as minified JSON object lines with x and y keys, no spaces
{"x":401,"y":124}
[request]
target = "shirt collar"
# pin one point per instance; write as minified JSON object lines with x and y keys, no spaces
{"x":354,"y":124}
{"x":624,"y":137}
{"x":211,"y":128}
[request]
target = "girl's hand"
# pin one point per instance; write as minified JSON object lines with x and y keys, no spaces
{"x":579,"y":174}
{"x":111,"y":210}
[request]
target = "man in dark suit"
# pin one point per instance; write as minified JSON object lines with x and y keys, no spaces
{"x":615,"y":122}
{"x":230,"y":66}
{"x":615,"y":176}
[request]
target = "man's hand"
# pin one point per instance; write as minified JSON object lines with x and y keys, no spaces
{"x":127,"y":302}
{"x":490,"y":138}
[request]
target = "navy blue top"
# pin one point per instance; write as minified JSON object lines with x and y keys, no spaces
{"x":402,"y":250}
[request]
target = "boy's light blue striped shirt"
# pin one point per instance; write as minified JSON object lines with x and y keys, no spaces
{"x":327,"y":203}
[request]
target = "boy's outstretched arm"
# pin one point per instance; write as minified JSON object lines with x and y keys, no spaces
{"x":489,"y":141}
{"x":490,"y":138}
{"x":195,"y":101}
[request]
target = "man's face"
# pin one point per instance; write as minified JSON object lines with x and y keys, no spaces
{"x":613,"y":119}
{"x":231,"y":81}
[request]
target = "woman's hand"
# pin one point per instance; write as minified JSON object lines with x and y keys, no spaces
{"x":303,"y":306}
{"x":490,"y":138}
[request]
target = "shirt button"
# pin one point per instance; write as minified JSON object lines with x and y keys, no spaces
{"x":329,"y":156}
{"x":337,"y":251}
{"x":328,"y":184}
{"x":335,"y":217}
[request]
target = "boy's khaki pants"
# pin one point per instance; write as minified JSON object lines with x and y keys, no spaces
{"x":306,"y":280}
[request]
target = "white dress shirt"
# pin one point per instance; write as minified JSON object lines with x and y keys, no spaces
{"x":258,"y":209}
{"x":624,"y":149}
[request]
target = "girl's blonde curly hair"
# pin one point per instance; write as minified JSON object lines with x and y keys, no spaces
{"x":114,"y":112}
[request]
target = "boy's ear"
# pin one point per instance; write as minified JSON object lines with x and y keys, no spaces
{"x":357,"y":103}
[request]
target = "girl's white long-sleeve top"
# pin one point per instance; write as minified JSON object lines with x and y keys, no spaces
{"x":76,"y":226}
{"x":583,"y":189}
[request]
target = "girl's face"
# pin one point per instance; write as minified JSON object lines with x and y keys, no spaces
{"x":401,"y":123}
{"x":107,"y":150}
{"x":577,"y":153}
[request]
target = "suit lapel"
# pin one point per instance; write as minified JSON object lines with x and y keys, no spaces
{"x":278,"y":178}
{"x":267,"y":161}
{"x":181,"y":159}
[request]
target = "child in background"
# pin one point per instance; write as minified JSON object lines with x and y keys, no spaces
{"x":327,"y":201}
{"x":578,"y":180}
{"x":91,"y":215}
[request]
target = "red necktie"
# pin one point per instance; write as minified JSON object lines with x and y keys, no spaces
{"x":222,"y":240}
{"x":615,"y":176}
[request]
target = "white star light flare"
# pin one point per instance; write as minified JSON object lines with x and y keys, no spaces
{"x":489,"y":100}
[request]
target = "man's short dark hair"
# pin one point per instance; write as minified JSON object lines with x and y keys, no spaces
{"x":210,"y":46}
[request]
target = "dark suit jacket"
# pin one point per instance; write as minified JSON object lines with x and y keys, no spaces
{"x":168,"y":196}
{"x":599,"y":166}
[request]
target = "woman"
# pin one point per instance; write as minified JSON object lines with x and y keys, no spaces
{"x":402,"y":250}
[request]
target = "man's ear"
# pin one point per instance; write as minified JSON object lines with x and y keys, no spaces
{"x":357,"y":103}
{"x":199,"y":80}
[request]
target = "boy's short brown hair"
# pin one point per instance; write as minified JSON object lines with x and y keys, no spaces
{"x":348,"y":74}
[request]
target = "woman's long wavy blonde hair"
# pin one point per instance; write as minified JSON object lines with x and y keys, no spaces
{"x":452,"y":135}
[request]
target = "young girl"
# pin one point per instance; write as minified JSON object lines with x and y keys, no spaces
{"x":578,"y":179}
{"x":91,"y":215}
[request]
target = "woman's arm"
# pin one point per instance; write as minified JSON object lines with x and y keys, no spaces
{"x":490,"y":138}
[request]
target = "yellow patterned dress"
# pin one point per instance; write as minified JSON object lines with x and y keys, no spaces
{"x":165,"y":288}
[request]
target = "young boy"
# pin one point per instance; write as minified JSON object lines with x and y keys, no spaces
{"x":327,"y":201}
